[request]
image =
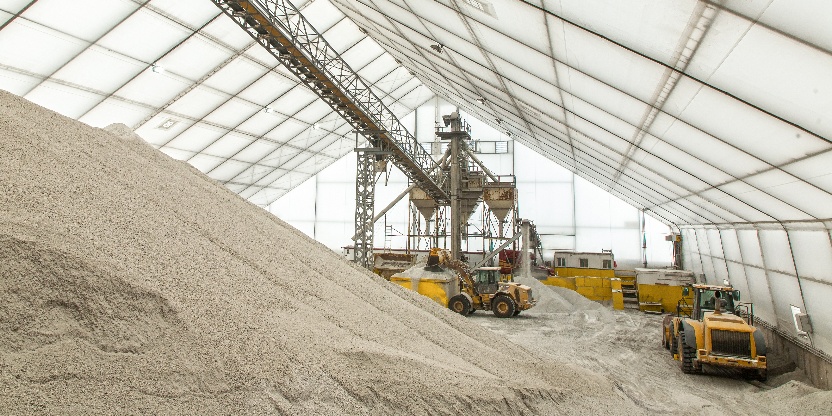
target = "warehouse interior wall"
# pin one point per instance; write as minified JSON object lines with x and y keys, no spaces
{"x":569,"y":212}
{"x":782,"y":268}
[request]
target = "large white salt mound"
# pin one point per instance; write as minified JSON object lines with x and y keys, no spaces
{"x":133,"y":284}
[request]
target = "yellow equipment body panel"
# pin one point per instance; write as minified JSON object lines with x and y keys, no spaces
{"x":617,"y":299}
{"x":440,"y":290}
{"x":584,"y":271}
{"x":667,"y":296}
{"x":590,"y":287}
{"x":560,"y":281}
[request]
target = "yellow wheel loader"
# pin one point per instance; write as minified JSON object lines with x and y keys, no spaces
{"x":718,"y":331}
{"x":483,"y":289}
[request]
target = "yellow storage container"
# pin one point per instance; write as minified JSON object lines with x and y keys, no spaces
{"x":659,"y":290}
{"x":617,"y":299}
{"x":560,"y":281}
{"x":603,"y":292}
{"x":667,"y":296}
{"x":439,"y":286}
{"x":594,"y":282}
{"x":586,"y":291}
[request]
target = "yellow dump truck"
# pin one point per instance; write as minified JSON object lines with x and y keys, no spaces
{"x":719,"y":332}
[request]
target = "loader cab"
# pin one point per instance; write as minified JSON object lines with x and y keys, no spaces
{"x":706,"y":297}
{"x":487,"y":279}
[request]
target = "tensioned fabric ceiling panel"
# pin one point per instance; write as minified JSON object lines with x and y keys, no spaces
{"x":698,"y":112}
{"x":192,"y":83}
{"x":695,"y":111}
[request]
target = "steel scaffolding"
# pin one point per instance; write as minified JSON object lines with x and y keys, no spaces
{"x":365,"y":186}
{"x":280,"y":28}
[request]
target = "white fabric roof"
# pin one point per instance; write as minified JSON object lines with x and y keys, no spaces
{"x":193,"y":83}
{"x":698,"y":112}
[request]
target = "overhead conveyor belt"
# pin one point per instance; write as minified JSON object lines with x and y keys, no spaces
{"x":289,"y":37}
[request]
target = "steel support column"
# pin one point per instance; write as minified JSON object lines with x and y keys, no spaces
{"x":456,"y":204}
{"x":365,"y":187}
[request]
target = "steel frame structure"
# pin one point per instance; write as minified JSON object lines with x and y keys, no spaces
{"x":365,"y":188}
{"x":279,"y":27}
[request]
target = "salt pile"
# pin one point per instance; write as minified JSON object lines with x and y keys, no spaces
{"x":797,"y":398}
{"x":559,"y":300}
{"x":131,"y":283}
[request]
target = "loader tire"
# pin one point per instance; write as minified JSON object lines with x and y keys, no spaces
{"x":460,"y":305}
{"x":517,"y":312}
{"x":762,"y":375}
{"x":503,"y":306}
{"x":686,"y":354}
{"x":674,"y":343}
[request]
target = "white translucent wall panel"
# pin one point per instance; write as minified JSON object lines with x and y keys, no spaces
{"x":816,"y":298}
{"x":777,"y":252}
{"x":717,"y":255}
{"x":785,"y":288}
{"x":603,"y":221}
{"x":659,"y":250}
{"x":387,"y":189}
{"x":545,"y":196}
{"x":691,"y":259}
{"x":734,"y":263}
{"x":760,"y":264}
{"x":813,"y":255}
{"x":812,"y":249}
{"x":706,"y":256}
{"x":758,"y":286}
{"x":297,"y":207}
{"x":591,"y":220}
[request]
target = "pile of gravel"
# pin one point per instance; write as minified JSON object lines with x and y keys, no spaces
{"x":132,"y":283}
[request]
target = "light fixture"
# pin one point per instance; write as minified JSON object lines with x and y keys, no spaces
{"x":167,"y":124}
{"x":316,"y":126}
{"x":480,"y":100}
{"x":438,"y":47}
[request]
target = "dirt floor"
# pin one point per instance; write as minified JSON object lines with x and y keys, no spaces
{"x":625,"y":347}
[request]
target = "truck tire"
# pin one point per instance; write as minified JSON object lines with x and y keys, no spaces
{"x":460,"y":304}
{"x":686,"y":354}
{"x":503,"y":306}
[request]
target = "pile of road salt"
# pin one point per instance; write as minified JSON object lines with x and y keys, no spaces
{"x":132,"y":283}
